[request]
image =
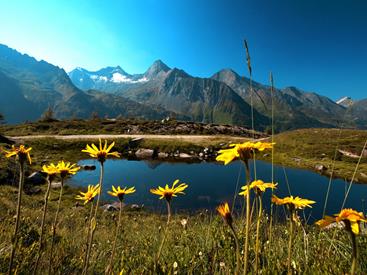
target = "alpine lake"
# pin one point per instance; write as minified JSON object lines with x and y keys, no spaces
{"x":212,"y":183}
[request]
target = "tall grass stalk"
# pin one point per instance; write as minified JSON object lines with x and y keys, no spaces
{"x":17,"y":217}
{"x":93,"y":224}
{"x":248,"y":59}
{"x":54,"y":225}
{"x":247,"y":229}
{"x":236,"y":271}
{"x":45,"y":205}
{"x":287,"y":181}
{"x":354,"y":174}
{"x":110,"y":264}
{"x":89,"y":222}
{"x":332,"y":173}
{"x":257,"y":243}
{"x":272,"y":152}
{"x":347,"y":192}
{"x":236,"y":189}
{"x":290,"y":241}
{"x":248,"y":179}
{"x":164,"y":235}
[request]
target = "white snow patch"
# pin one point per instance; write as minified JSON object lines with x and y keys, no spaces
{"x":119,"y":78}
{"x":144,"y":79}
{"x":99,"y":78}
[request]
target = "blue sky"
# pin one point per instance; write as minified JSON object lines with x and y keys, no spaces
{"x":316,"y":45}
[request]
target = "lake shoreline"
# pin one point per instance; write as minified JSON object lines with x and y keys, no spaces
{"x":176,"y":149}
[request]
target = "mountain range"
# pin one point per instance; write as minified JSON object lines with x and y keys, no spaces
{"x":28,"y":87}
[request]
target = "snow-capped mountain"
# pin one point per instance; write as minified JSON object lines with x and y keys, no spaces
{"x":345,"y":101}
{"x":114,"y":79}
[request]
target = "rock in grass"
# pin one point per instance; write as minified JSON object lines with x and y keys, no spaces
{"x":185,"y":156}
{"x":136,"y":207}
{"x":163,"y":155}
{"x":55,"y":185}
{"x":144,"y":153}
{"x":320,"y":168}
{"x":112,"y":206}
{"x":32,"y":190}
{"x":36,"y":178}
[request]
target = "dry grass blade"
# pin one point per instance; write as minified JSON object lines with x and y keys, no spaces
{"x":248,"y":58}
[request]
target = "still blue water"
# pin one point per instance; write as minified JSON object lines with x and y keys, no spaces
{"x":212,"y":183}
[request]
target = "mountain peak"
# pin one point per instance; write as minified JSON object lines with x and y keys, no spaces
{"x":156,"y":68}
{"x":227,"y":72}
{"x":160,"y":63}
{"x":228,"y":75}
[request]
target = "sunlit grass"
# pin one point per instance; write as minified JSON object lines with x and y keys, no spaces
{"x":151,"y":243}
{"x":204,"y":245}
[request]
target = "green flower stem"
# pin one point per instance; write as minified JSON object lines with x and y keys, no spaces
{"x":290,"y":243}
{"x":247,"y":229}
{"x":164,"y":235}
{"x":354,"y":253}
{"x":17,"y":218}
{"x":88,"y":233}
{"x":236,"y":272}
{"x":257,"y":246}
{"x":94,"y":220}
{"x":109,"y":267}
{"x":54,"y":226}
{"x":41,"y":244}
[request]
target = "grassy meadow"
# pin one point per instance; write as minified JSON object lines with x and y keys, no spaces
{"x":204,"y":246}
{"x":200,"y":243}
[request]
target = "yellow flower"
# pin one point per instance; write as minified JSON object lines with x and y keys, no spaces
{"x":21,"y":152}
{"x":169,"y":192}
{"x":50,"y":170}
{"x":259,"y":186}
{"x":224,"y":211}
{"x":243,"y":151}
{"x":101,"y":153}
{"x":351,"y":218}
{"x":90,"y":194}
{"x":66,"y":168}
{"x":295,"y":202}
{"x":118,"y":192}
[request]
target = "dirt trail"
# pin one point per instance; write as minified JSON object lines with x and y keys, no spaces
{"x":189,"y":138}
